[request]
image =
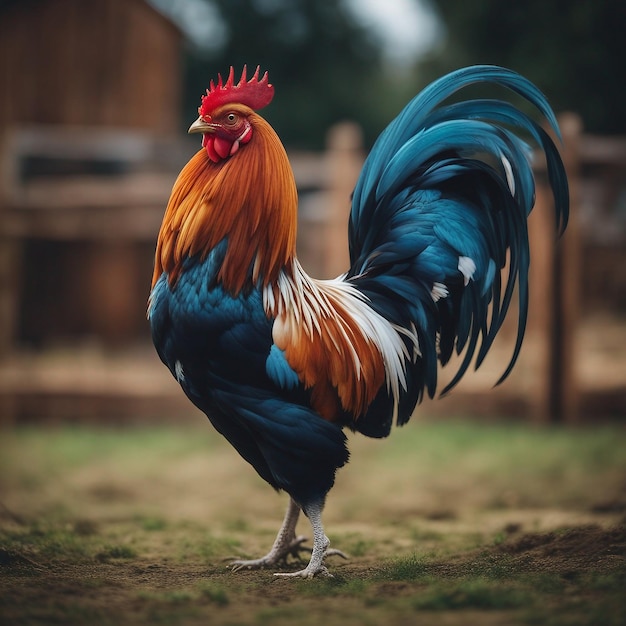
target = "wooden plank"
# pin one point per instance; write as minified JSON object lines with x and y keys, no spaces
{"x":126,"y":223}
{"x":10,"y":290}
{"x":344,"y":162}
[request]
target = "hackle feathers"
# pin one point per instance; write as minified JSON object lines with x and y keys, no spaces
{"x":237,"y":202}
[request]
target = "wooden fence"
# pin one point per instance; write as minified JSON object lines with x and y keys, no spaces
{"x":105,"y":232}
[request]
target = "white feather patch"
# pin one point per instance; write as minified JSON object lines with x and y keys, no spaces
{"x":439,"y":291}
{"x":467,"y":267}
{"x":179,"y":372}
{"x":309,"y":301}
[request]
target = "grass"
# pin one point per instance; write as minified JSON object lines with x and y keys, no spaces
{"x":474,"y":593}
{"x":450,"y":522}
{"x":406,"y":569}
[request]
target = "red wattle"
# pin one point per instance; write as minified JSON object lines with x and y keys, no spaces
{"x":222,"y":146}
{"x":210,"y":150}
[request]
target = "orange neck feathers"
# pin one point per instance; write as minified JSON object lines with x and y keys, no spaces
{"x":249,"y":199}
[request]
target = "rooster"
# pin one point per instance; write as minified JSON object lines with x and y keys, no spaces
{"x":282,"y":363}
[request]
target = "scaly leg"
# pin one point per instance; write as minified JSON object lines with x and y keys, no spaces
{"x":320,"y":550}
{"x":286,"y":543}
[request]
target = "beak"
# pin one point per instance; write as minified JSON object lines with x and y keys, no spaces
{"x":200,"y":126}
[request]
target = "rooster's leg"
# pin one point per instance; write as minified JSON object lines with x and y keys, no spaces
{"x":320,"y":550}
{"x":286,"y":543}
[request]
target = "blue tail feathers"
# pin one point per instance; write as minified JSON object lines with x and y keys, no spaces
{"x":441,"y":207}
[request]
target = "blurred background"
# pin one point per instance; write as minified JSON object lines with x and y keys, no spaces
{"x":95,"y":100}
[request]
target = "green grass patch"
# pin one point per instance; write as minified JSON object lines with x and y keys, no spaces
{"x":215,"y":593}
{"x":116,"y":552}
{"x":336,"y":586}
{"x":48,"y":542}
{"x":353,"y":544}
{"x":172,"y":596}
{"x":475,"y":593}
{"x":410,"y":568}
{"x":152,"y":523}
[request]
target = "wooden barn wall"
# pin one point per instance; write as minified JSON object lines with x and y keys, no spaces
{"x":96,"y":62}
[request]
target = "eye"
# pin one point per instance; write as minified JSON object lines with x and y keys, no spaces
{"x":231,"y":118}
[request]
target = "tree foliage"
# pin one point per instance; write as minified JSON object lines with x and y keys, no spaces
{"x":324,"y":65}
{"x":327,"y":67}
{"x":573,"y":49}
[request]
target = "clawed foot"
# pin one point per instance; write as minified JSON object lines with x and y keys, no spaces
{"x":281,"y":559}
{"x":287,"y":544}
{"x":307,"y":572}
{"x":276,"y":557}
{"x":312,"y":570}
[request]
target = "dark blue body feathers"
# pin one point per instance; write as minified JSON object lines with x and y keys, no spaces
{"x":220,"y":350}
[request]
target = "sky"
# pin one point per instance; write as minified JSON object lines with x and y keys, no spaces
{"x":408,"y":28}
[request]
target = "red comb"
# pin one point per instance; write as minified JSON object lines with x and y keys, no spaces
{"x":254,"y":93}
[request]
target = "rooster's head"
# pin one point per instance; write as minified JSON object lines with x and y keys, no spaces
{"x":225,"y":111}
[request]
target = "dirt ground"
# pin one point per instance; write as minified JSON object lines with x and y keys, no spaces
{"x":128,"y":591}
{"x":477,"y":525}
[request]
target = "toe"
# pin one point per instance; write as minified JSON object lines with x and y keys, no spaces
{"x":333,"y":552}
{"x":307,"y":572}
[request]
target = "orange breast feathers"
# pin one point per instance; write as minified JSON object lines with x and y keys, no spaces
{"x":249,"y":199}
{"x":340,"y":348}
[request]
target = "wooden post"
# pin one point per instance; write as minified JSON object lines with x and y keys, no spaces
{"x":554,"y":293}
{"x":10,"y":252}
{"x":10,"y":273}
{"x":540,"y":326}
{"x":344,"y":161}
{"x":565,"y":401}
